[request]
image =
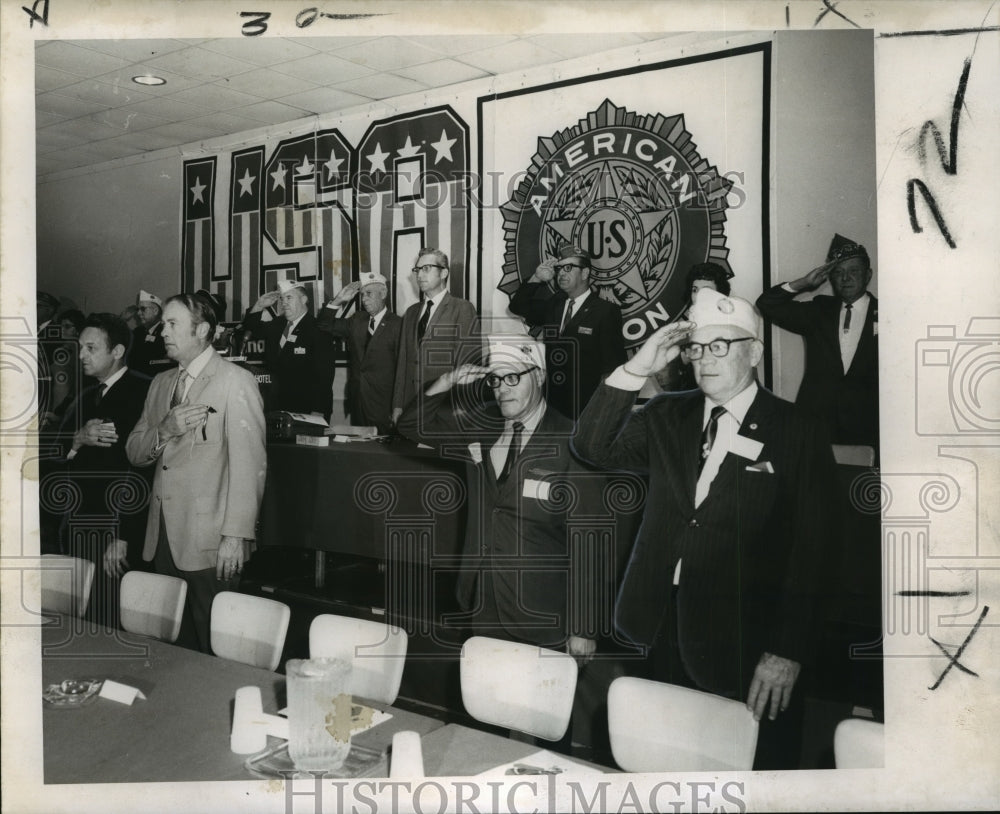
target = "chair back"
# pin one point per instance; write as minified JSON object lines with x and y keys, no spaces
{"x":152,"y":604}
{"x":66,"y":583}
{"x":657,"y":727}
{"x":859,"y":744}
{"x":518,"y":686}
{"x":249,"y":629}
{"x":376,"y":651}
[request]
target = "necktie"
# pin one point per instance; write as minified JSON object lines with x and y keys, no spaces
{"x":512,"y":452}
{"x":101,"y":389}
{"x":371,"y":326}
{"x":708,"y":434}
{"x":847,"y":318}
{"x":422,"y":325}
{"x":285,"y":334}
{"x":567,"y":317}
{"x":178,"y":395}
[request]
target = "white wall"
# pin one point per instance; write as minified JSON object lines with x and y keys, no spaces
{"x":822,"y":164}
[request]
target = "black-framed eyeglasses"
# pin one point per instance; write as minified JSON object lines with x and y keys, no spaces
{"x":509,"y":379}
{"x":693,"y":351}
{"x":566,"y":267}
{"x":427,"y":267}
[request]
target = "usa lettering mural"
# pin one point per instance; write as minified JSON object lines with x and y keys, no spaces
{"x":633,"y":191}
{"x":327,"y":210}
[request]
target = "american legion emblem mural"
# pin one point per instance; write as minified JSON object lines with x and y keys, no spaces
{"x":633,"y":191}
{"x":319,"y":209}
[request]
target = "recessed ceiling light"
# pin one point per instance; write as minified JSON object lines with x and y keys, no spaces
{"x":147,"y":79}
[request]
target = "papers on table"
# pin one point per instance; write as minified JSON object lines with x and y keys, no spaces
{"x":542,"y":762}
{"x":361,"y":721}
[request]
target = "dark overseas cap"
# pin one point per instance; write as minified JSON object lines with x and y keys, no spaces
{"x":842,"y":248}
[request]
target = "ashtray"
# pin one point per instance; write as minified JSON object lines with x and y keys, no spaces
{"x":275,"y":762}
{"x":72,"y":692}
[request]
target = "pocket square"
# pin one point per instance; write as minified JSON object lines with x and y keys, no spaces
{"x":762,"y":466}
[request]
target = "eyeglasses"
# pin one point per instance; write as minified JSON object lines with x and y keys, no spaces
{"x":509,"y":379}
{"x":428,"y":267}
{"x":719,"y":348}
{"x":566,"y":267}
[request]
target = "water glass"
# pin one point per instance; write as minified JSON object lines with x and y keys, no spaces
{"x":319,"y":713}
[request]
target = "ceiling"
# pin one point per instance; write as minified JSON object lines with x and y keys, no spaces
{"x":88,"y":110}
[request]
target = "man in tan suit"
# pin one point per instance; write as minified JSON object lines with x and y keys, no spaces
{"x":203,"y":428}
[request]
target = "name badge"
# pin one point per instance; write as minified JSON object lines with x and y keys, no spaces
{"x":583,"y":329}
{"x":537,"y":489}
{"x":298,"y":351}
{"x":745,"y":447}
{"x":290,"y":338}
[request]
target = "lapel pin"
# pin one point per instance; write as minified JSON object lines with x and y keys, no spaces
{"x":753,"y":426}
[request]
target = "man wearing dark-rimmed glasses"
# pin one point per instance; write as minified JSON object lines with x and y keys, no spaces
{"x":723,"y":580}
{"x":524,"y":484}
{"x":581,"y":330}
{"x":434,"y":330}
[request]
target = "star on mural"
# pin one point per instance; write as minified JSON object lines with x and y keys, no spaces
{"x":409,"y":149}
{"x":333,"y":165}
{"x":279,"y":177}
{"x":305,"y":168}
{"x":604,"y":185}
{"x":442,"y":147}
{"x":246,"y":183}
{"x":197,"y":190}
{"x":377,"y":158}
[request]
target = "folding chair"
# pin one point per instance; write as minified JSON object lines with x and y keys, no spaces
{"x":377,"y":653}
{"x":518,"y":686}
{"x":657,"y":727}
{"x":249,"y":629}
{"x":859,"y":744}
{"x":66,"y":584}
{"x":152,"y":604}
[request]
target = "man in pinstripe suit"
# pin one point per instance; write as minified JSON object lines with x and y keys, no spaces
{"x":724,"y":577}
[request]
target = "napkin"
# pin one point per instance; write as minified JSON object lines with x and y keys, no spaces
{"x":122,"y":693}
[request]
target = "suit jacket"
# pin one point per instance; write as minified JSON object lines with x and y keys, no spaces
{"x":372,"y":364}
{"x":533,"y":542}
{"x":109,"y":485}
{"x":423,"y":361}
{"x":148,"y":354}
{"x":588,"y":350}
{"x":847,"y":401}
{"x":303,"y":369}
{"x":753,"y":551}
{"x":207,"y":484}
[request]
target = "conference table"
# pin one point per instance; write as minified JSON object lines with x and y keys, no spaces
{"x":180,"y":731}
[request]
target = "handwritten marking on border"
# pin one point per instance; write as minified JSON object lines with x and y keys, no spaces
{"x":33,"y":14}
{"x":953,"y":659}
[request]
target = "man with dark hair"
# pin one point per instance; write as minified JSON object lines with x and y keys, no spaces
{"x":202,"y":427}
{"x":372,"y":335}
{"x":708,"y":275}
{"x":299,"y":357}
{"x":582,"y":332}
{"x":840,"y":383}
{"x":433,"y":330}
{"x":148,"y":354}
{"x":92,"y":436}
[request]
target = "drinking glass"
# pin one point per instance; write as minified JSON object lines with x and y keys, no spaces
{"x":319,"y":713}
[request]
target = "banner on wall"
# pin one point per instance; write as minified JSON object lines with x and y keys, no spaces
{"x":327,"y":209}
{"x":633,"y":192}
{"x":650,"y":170}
